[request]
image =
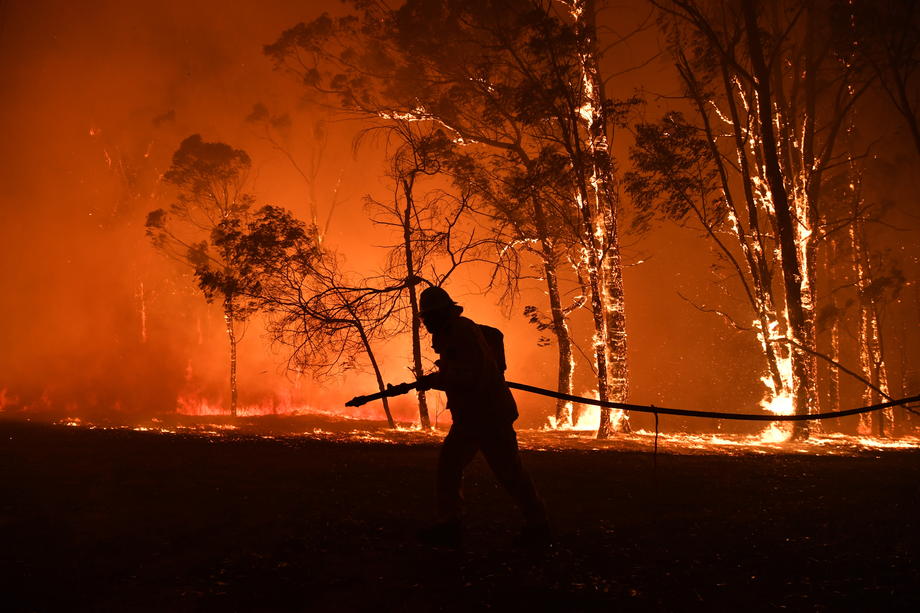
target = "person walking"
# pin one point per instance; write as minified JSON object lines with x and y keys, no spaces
{"x":470,"y":369}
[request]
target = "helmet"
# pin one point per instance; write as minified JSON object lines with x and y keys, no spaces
{"x":434,"y":299}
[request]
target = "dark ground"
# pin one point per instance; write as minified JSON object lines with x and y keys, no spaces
{"x":117,"y":520}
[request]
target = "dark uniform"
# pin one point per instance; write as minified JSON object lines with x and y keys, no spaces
{"x":471,"y":372}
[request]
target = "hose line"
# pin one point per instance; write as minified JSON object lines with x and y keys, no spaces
{"x":642,"y":408}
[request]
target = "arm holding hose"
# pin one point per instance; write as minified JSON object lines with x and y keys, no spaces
{"x":390,"y":391}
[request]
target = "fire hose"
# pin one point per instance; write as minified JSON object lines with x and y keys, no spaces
{"x":404,"y":388}
{"x":642,"y":408}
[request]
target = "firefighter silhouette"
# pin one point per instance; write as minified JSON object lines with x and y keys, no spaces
{"x":470,"y":369}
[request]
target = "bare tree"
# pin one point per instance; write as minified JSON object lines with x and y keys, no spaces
{"x":324,"y":320}
{"x":275,"y":129}
{"x":528,"y":210}
{"x":884,"y":39}
{"x":436,"y":230}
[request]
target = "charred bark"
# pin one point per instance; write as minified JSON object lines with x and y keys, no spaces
{"x":833,"y":377}
{"x":600,"y":208}
{"x":871,"y":357}
{"x":786,"y":234}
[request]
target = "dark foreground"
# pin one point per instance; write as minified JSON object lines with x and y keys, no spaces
{"x":134,"y":521}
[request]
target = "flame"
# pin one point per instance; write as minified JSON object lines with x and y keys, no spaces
{"x":195,"y":405}
{"x":586,"y":111}
{"x":680,"y":443}
{"x":417,"y":114}
{"x":782,"y":403}
{"x":588,"y":420}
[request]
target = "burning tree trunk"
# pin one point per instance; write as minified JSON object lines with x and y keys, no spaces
{"x":597,"y":199}
{"x":766,"y":71}
{"x":833,"y":317}
{"x":869,"y":341}
{"x":231,"y":337}
{"x":794,"y":273}
{"x":523,"y":79}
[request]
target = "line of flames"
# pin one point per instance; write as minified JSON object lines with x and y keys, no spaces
{"x":544,"y":439}
{"x":553,"y":436}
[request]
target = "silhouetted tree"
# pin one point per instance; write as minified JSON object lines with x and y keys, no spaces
{"x":436,"y":229}
{"x":276,"y":129}
{"x":883,"y":37}
{"x":517,"y":79}
{"x":210,"y":179}
{"x":528,"y":209}
{"x":325,"y":320}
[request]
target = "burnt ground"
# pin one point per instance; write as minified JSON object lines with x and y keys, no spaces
{"x":117,"y":520}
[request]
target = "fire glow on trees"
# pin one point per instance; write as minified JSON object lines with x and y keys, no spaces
{"x":778,"y":102}
{"x":766,"y":148}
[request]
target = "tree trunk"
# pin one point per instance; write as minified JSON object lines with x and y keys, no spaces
{"x":563,"y":342}
{"x":616,"y":333}
{"x":560,"y":328}
{"x":377,"y":374}
{"x":417,"y":371}
{"x":833,"y":376}
{"x":879,"y":373}
{"x":862,"y":338}
{"x":605,"y":428}
{"x":142,"y":298}
{"x":600,"y":199}
{"x":806,"y":210}
{"x":871,"y":358}
{"x":231,"y":336}
{"x":760,"y":293}
{"x":786,"y":233}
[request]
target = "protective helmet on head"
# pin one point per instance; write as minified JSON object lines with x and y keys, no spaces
{"x":434,"y":299}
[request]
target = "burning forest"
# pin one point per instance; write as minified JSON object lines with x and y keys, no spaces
{"x":676,"y":227}
{"x":244,"y":229}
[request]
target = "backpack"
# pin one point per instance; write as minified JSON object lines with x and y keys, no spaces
{"x":496,"y":342}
